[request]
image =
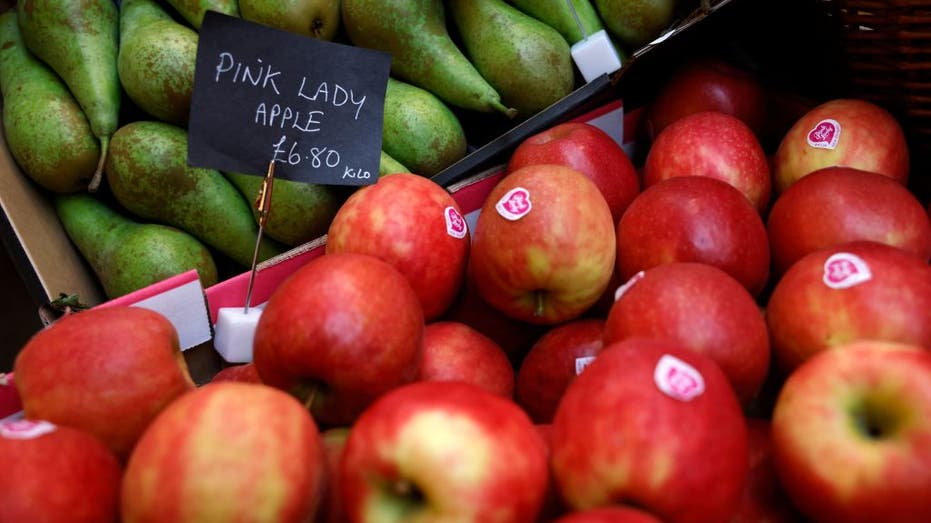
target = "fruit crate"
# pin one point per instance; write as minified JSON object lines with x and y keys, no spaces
{"x":886,"y":49}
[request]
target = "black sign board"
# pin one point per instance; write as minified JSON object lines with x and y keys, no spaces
{"x":261,"y":94}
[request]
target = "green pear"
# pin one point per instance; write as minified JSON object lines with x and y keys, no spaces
{"x":419,"y":130}
{"x":573,"y":26}
{"x":126,"y":255}
{"x":45,"y":129}
{"x":314,"y":18}
{"x":299,"y":211}
{"x":528,"y":62}
{"x":148,"y":174}
{"x":156,"y":60}
{"x":79,"y":40}
{"x":388,"y":165}
{"x":194,"y":10}
{"x":636,"y":22}
{"x":422,"y":51}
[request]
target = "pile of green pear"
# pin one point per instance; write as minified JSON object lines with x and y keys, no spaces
{"x":96,"y":98}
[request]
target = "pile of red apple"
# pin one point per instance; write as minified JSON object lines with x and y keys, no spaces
{"x":726,"y":334}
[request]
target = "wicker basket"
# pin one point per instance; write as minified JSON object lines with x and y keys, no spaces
{"x":887,"y":48}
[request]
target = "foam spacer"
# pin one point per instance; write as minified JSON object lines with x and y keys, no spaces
{"x":595,"y":56}
{"x":234,"y":333}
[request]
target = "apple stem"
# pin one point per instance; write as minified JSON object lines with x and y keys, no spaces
{"x":311,"y":396}
{"x":539,"y":310}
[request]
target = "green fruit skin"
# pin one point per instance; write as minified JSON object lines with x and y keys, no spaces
{"x":156,"y":61}
{"x":79,"y":40}
{"x":422,"y":51}
{"x":556,"y":14}
{"x":193,"y":10}
{"x":148,"y":174}
{"x":45,"y":129}
{"x":126,"y":255}
{"x":419,"y":130}
{"x":318,"y":19}
{"x":528,"y":62}
{"x":636,"y":22}
{"x":299,"y":212}
{"x":388,"y":165}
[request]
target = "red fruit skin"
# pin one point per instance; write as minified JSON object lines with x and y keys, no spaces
{"x":837,"y":205}
{"x":243,"y":372}
{"x":550,"y":365}
{"x":818,"y":428}
{"x":64,"y":476}
{"x":227,"y":451}
{"x":702,"y":308}
{"x":553,"y":263}
{"x":617,"y":514}
{"x":108,"y":371}
{"x":339,"y":332}
{"x":618,"y":438}
{"x":479,"y":454}
{"x":709,"y":84}
{"x":716,"y":145}
{"x":589,"y":150}
{"x":764,"y":499}
{"x":453,"y":351}
{"x":331,"y":505}
{"x":871,"y":139}
{"x":694,"y":219}
{"x":400,"y":219}
{"x":805,"y":316}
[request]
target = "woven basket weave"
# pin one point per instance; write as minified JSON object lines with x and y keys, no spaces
{"x":887,"y":46}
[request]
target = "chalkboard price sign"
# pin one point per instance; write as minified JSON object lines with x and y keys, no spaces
{"x":260,"y":94}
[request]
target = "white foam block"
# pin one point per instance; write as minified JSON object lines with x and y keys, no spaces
{"x":595,"y":56}
{"x":234,"y":333}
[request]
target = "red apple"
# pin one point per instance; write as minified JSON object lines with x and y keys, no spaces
{"x":553,"y":506}
{"x":414,"y":225}
{"x":453,"y":351}
{"x":589,"y":150}
{"x":339,"y":332}
{"x":443,"y":451}
{"x":331,"y":507}
{"x":842,"y":132}
{"x":850,"y":437}
{"x":56,"y":474}
{"x":543,"y":248}
{"x":609,"y":515}
{"x":242,"y":372}
{"x":709,"y":83}
{"x":716,"y":145}
{"x":513,"y":336}
{"x":653,"y":424}
{"x":553,"y":362}
{"x":836,"y":205}
{"x":764,"y":499}
{"x":10,"y":402}
{"x":108,"y":371}
{"x":228,"y":451}
{"x":694,"y":219}
{"x":703,"y":309}
{"x":853,"y":291}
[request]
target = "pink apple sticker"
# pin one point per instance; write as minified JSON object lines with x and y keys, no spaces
{"x":678,"y":379}
{"x":515,"y":204}
{"x":844,"y":270}
{"x":825,"y":134}
{"x":582,"y":362}
{"x":627,"y":285}
{"x":455,"y":223}
{"x":25,"y":429}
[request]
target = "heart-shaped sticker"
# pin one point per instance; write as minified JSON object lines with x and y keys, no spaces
{"x":515,"y":204}
{"x":25,"y":429}
{"x":455,"y":223}
{"x":843,"y":270}
{"x":825,"y":134}
{"x":678,"y":379}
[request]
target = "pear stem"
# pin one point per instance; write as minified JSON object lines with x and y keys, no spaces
{"x":98,"y":174}
{"x":510,"y":112}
